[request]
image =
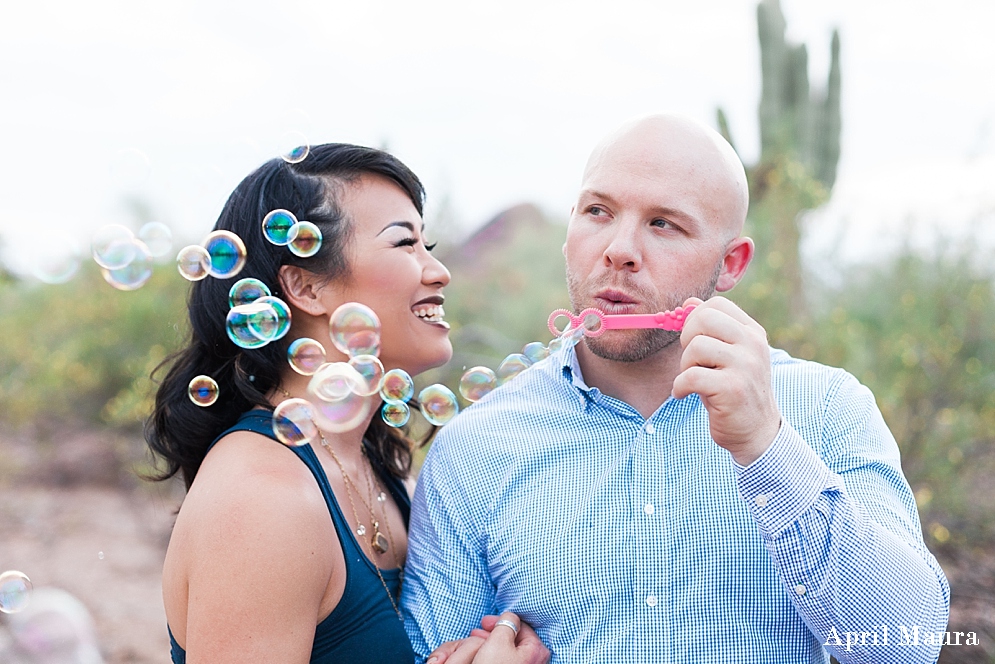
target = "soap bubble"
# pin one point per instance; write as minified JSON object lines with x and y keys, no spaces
{"x":304,"y":239}
{"x":251,"y":325}
{"x":370,"y":368}
{"x":203,"y":390}
{"x":15,"y":591}
{"x":337,"y":407}
{"x":296,"y":146}
{"x":535,"y":351}
{"x":476,"y":383}
{"x":57,"y":262}
{"x":157,"y":237}
{"x":397,"y":386}
{"x":113,"y":246}
{"x":438,"y":404}
{"x":395,"y":414}
{"x":355,"y":329}
{"x":135,"y":274}
{"x":511,"y":366}
{"x":130,"y":168}
{"x":555,"y":345}
{"x":305,"y":356}
{"x":282,"y":315}
{"x":573,"y":337}
{"x":277,"y":225}
{"x":227,"y":253}
{"x":245,"y":291}
{"x":293,"y":422}
{"x":193,"y":262}
{"x":336,"y":380}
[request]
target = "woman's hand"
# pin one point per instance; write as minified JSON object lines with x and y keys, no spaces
{"x":494,"y":644}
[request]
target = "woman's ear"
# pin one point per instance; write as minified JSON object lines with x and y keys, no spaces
{"x":301,"y":288}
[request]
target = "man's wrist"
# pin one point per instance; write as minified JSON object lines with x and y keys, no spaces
{"x":749,"y":453}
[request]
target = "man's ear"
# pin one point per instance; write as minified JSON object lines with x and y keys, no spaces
{"x":300,"y":288}
{"x":737,"y":258}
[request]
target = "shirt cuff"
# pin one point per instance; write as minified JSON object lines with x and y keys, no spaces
{"x":784,"y":482}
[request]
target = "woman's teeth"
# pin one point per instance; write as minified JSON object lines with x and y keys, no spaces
{"x":433,"y":314}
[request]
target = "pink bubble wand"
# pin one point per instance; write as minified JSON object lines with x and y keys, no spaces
{"x":596,"y":322}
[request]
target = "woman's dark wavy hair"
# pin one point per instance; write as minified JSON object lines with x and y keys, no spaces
{"x":179,"y":432}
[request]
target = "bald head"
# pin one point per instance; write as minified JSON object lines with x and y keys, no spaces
{"x":692,"y":158}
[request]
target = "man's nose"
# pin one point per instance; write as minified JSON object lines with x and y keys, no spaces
{"x":624,"y":251}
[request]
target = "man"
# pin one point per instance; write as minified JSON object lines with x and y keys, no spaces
{"x":651,"y":496}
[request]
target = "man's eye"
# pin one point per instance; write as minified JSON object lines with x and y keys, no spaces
{"x":596,"y":212}
{"x":663,"y":223}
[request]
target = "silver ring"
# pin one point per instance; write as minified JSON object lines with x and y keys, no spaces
{"x":507,"y":623}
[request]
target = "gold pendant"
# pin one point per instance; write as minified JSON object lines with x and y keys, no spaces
{"x":379,"y":542}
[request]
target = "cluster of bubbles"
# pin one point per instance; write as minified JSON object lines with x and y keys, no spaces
{"x":256,"y":317}
{"x":478,"y":382}
{"x":221,"y":255}
{"x":15,"y":591}
{"x":282,"y":228}
{"x":338,"y":394}
{"x":125,"y":259}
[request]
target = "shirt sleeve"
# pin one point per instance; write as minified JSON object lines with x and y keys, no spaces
{"x":447,"y":587}
{"x":845,"y":537}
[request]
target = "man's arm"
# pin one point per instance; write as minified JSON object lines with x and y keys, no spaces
{"x":447,"y":587}
{"x":847,"y":544}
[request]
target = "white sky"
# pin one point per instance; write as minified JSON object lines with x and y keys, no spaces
{"x":491,"y":103}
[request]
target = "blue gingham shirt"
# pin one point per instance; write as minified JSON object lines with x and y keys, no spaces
{"x":623,"y":539}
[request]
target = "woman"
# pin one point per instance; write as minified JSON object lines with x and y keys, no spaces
{"x":256,"y":571}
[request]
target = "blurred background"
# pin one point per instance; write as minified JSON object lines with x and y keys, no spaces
{"x":866,"y":128}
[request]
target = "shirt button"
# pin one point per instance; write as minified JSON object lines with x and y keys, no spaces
{"x":648,"y":508}
{"x":800,"y":589}
{"x":761,"y":500}
{"x":649,"y":428}
{"x":651,"y":600}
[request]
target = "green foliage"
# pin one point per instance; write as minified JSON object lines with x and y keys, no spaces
{"x":82,"y":351}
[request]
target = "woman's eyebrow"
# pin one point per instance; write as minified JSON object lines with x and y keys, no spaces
{"x":403,"y":224}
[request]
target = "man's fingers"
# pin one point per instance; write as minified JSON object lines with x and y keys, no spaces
{"x":476,"y":631}
{"x":704,"y":351}
{"x":697,"y":380}
{"x":503,"y":631}
{"x":488,"y":622}
{"x":711,"y":322}
{"x":729,"y":308}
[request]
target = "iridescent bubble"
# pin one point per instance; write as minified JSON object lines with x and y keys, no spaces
{"x":245,"y":291}
{"x":395,"y":414}
{"x":305,"y":356}
{"x":535,"y":351}
{"x":193,"y":262}
{"x":282,"y":315}
{"x":477,"y":383}
{"x":304,"y":239}
{"x":15,"y":591}
{"x":370,"y":368}
{"x":277,"y":225}
{"x":135,"y":274}
{"x":297,"y":147}
{"x":113,"y":246}
{"x":555,"y":345}
{"x":227,"y":253}
{"x":203,"y":390}
{"x":511,"y":366}
{"x":57,"y":262}
{"x":397,"y":386}
{"x":355,"y":329}
{"x":334,"y":381}
{"x":333,"y":412}
{"x":157,"y":237}
{"x":252,"y":325}
{"x":293,"y":422}
{"x":438,"y":404}
{"x":572,"y":337}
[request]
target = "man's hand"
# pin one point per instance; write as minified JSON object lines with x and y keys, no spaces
{"x":726,"y":361}
{"x":491,"y":645}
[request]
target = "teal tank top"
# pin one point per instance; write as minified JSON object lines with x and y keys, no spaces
{"x":363,"y":628}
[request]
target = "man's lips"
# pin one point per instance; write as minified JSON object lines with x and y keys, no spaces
{"x":615,"y":302}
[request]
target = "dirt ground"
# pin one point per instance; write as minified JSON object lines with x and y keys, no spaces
{"x":106,"y":546}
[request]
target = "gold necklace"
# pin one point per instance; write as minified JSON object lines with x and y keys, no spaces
{"x":378,"y":542}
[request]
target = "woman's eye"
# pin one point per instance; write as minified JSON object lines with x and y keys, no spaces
{"x":406,"y":242}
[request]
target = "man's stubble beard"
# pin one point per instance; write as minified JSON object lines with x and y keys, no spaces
{"x":638,"y":344}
